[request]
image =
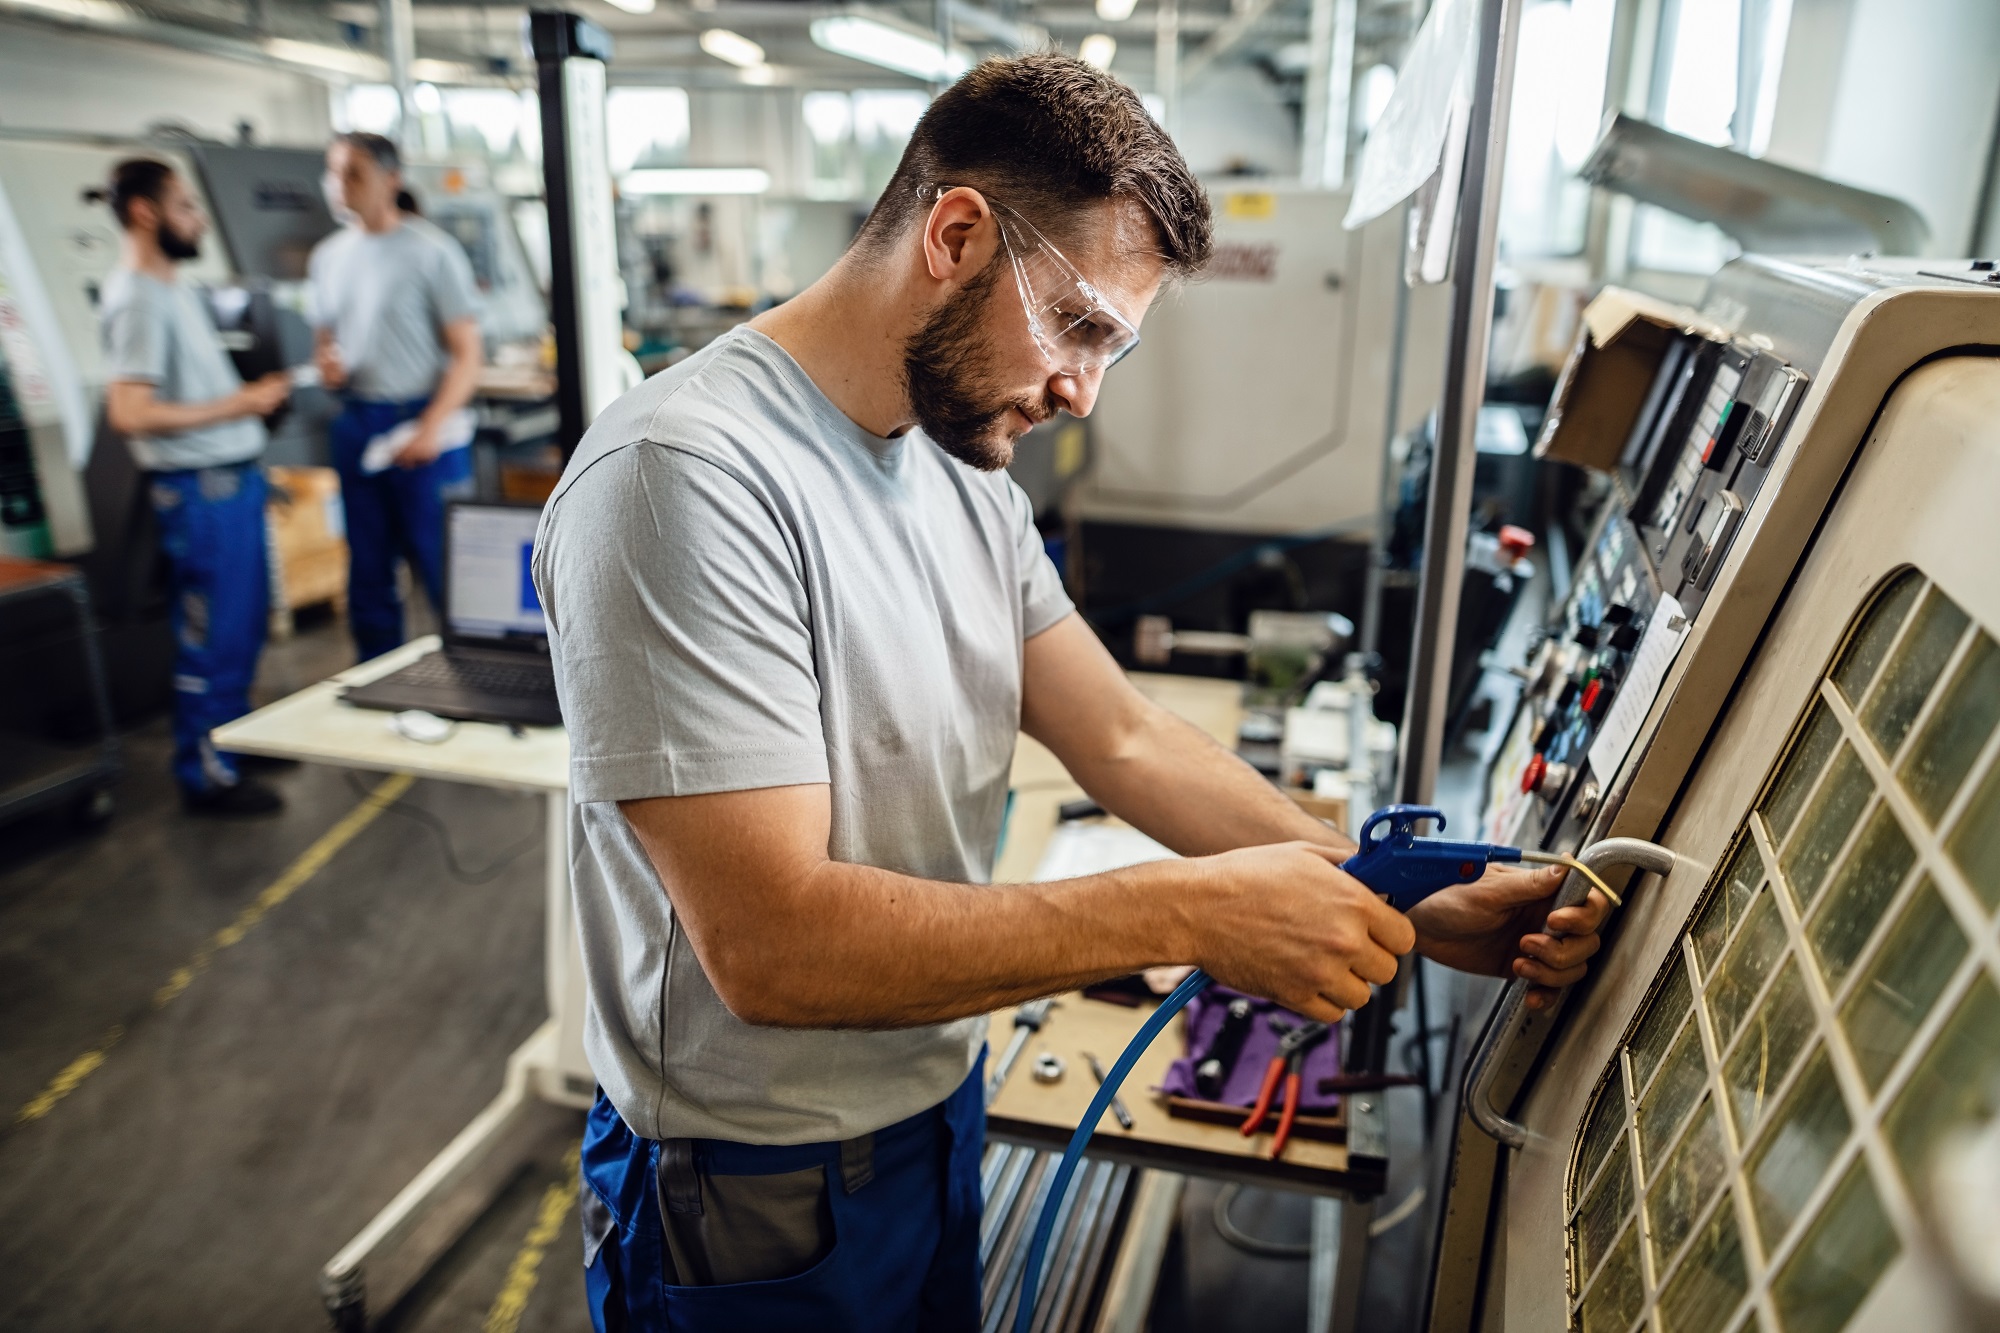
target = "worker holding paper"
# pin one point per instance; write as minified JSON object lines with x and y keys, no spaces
{"x":396,"y":315}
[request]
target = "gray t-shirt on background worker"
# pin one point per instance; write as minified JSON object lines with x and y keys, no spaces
{"x":386,"y":299}
{"x":745,"y":589}
{"x":160,"y":333}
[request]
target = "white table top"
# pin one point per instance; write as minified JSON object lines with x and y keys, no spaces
{"x":316,"y":725}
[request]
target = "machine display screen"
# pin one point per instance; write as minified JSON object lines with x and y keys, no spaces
{"x":492,"y":593}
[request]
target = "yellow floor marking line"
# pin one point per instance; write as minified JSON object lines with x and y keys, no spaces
{"x":526,"y":1270}
{"x":310,"y":863}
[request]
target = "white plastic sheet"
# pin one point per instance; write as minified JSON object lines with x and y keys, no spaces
{"x":1407,"y":144}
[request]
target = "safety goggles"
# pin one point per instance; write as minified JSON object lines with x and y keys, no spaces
{"x":1077,"y":330}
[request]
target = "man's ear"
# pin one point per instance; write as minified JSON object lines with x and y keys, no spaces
{"x":959,"y":236}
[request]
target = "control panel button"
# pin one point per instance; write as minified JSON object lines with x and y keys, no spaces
{"x":1532,"y":775}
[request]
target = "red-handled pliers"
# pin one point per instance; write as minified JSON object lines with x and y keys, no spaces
{"x":1289,"y":1065}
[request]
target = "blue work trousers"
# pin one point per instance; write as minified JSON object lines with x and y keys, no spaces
{"x":395,"y":514}
{"x":212,"y":528}
{"x":905,"y":1212}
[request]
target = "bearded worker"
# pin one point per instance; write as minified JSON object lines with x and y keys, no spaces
{"x":799,"y":614}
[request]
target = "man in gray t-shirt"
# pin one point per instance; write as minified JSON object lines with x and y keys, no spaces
{"x":798,"y":615}
{"x":396,"y":317}
{"x":195,"y":428}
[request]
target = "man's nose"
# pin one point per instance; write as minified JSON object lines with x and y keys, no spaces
{"x":1077,"y":392}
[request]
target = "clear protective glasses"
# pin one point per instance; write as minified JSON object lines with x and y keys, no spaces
{"x":1077,"y":330}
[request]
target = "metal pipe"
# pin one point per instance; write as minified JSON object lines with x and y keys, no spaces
{"x":399,"y":48}
{"x":1483,"y":1071}
{"x":1167,"y":63}
{"x":1452,"y":458}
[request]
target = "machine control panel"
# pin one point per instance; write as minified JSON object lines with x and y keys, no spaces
{"x":1712,"y":424}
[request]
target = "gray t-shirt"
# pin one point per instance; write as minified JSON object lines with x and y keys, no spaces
{"x":160,"y":333}
{"x":387,"y":299}
{"x":745,"y":589}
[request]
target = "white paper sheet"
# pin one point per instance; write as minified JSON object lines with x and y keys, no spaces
{"x":1091,"y":849}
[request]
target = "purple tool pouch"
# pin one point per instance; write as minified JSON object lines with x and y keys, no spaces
{"x":1204,"y":1021}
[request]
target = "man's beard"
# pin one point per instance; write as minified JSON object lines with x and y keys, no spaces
{"x":176,"y":246}
{"x":945,"y":365}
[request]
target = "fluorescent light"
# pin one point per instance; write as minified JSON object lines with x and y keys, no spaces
{"x":634,"y":6}
{"x":891,"y":46}
{"x":361,"y":64}
{"x":1097,"y":49}
{"x":732,"y":46}
{"x":1115,"y":11}
{"x":427,"y":70}
{"x":696,"y":180}
{"x":428,"y":99}
{"x":759,"y":76}
{"x":90,"y":11}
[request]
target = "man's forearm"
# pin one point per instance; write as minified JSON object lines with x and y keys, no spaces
{"x":1173,"y":783}
{"x":461,"y":378}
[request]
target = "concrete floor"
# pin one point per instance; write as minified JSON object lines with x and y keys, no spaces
{"x":233,"y":1138}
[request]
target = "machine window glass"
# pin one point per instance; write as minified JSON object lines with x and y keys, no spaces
{"x":1801,"y":770}
{"x":1835,"y":811}
{"x":1726,"y":909}
{"x":1614,"y":1300}
{"x":1975,"y":843}
{"x":1860,"y":894}
{"x":1669,"y":1005}
{"x":1770,"y":1045}
{"x":1745,"y":968}
{"x":1673,"y":1094}
{"x":1833,"y":1005}
{"x":1606,"y":1209}
{"x":1870,"y":643}
{"x":1836,"y":1265}
{"x":1689,"y":1180}
{"x":1913,"y":668}
{"x":1796,"y":1148}
{"x":1896,"y":993}
{"x":1957,"y":1084}
{"x":1711,"y":1279}
{"x":1957,"y":731}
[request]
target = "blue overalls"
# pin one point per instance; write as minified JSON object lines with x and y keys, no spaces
{"x":395,"y":513}
{"x":212,"y":529}
{"x":905,"y":1256}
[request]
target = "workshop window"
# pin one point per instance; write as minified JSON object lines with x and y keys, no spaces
{"x":1829,"y":1017}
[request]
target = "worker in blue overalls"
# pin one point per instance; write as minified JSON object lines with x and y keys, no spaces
{"x":396,"y":315}
{"x":197,"y":431}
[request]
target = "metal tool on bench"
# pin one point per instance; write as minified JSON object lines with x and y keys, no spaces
{"x":1028,"y":1020}
{"x":1403,"y":867}
{"x":1118,"y":1110}
{"x":1288,"y":1066}
{"x":1213,"y":1072}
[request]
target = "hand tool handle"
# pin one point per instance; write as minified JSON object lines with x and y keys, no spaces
{"x":1294,"y":1086}
{"x":1273,"y":1072}
{"x":1212,"y":1073}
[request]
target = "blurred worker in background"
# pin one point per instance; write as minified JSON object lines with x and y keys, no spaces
{"x":396,"y":314}
{"x":196,"y":430}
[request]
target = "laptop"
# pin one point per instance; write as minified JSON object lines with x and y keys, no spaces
{"x":494,"y":665}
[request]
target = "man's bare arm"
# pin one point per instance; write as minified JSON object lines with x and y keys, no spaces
{"x":133,"y":407}
{"x":791,"y":938}
{"x":1157,"y":772}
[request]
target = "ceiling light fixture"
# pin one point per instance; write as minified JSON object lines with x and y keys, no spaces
{"x":732,"y":46}
{"x":696,"y":180}
{"x":1097,"y":49}
{"x":892,"y":46}
{"x":1115,"y":11}
{"x":633,"y":6}
{"x":359,"y":64}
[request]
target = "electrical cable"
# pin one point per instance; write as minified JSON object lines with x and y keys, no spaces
{"x":1225,"y":1226}
{"x":426,"y":819}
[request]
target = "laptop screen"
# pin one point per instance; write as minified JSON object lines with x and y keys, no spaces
{"x":492,"y":593}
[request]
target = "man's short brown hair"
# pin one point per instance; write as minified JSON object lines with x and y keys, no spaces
{"x":1045,"y":133}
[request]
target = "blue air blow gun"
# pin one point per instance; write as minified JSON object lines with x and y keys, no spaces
{"x":1399,"y":865}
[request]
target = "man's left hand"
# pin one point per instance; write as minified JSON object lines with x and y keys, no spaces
{"x":1500,"y":925}
{"x":423,"y":446}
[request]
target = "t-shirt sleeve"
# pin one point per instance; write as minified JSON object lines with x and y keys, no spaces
{"x":454,"y":291}
{"x":681,"y":636}
{"x":135,"y":340}
{"x":1043,"y":601}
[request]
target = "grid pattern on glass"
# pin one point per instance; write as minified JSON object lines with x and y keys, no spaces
{"x":1830,"y":1016}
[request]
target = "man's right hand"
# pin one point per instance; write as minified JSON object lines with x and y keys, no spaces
{"x":332,"y":370}
{"x":264,"y":395}
{"x":1285,"y":922}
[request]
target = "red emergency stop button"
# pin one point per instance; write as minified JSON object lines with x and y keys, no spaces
{"x":1591,"y":694}
{"x":1532,"y":775}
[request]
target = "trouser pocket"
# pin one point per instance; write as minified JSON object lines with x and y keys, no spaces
{"x":604,"y":1278}
{"x":722,"y":1230}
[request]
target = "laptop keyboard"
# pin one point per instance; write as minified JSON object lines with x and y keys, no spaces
{"x":517,"y":680}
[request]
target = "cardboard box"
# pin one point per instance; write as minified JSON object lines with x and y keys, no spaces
{"x":1623,"y":336}
{"x":308,"y":536}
